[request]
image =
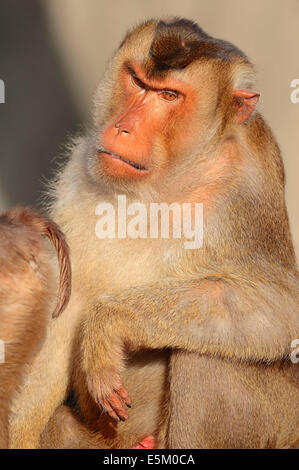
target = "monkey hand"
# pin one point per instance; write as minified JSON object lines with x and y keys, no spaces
{"x":108,"y":391}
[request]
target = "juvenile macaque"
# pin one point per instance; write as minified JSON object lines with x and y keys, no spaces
{"x":28,"y":294}
{"x":196,"y":342}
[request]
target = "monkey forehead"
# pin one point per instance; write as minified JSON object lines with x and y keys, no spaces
{"x":175,"y":80}
{"x":180,"y":42}
{"x":176,"y":43}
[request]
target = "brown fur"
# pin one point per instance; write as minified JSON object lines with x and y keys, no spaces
{"x":220,"y":319}
{"x":27,"y":286}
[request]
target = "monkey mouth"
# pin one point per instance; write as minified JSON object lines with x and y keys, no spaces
{"x":135,"y":165}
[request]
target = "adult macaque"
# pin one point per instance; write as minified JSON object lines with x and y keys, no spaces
{"x":27,"y":295}
{"x":197,"y":341}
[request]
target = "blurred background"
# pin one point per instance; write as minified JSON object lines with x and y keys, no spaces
{"x":53,"y":53}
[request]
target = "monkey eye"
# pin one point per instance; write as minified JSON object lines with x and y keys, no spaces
{"x":168,"y":95}
{"x":136,"y":81}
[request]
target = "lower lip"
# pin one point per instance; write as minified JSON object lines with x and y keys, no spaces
{"x":119,"y":168}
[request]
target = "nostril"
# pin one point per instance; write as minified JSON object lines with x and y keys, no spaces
{"x":121,"y":128}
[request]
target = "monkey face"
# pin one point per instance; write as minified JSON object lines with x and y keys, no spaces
{"x":146,"y":120}
{"x":147,"y":115}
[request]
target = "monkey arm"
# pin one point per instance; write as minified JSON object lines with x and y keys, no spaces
{"x":231,"y":318}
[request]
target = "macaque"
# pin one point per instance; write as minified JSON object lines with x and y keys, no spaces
{"x":165,"y":346}
{"x":27,"y":295}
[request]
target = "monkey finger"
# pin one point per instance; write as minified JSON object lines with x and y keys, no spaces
{"x":108,"y":409}
{"x":117,"y":408}
{"x":124,"y":395}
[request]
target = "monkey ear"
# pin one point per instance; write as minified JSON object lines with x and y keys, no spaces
{"x":246,"y":101}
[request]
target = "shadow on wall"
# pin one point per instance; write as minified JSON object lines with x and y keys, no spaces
{"x":38,"y":112}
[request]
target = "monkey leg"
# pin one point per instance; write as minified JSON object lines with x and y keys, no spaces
{"x":64,"y":431}
{"x":47,"y":381}
{"x":217,"y":403}
{"x":3,"y":427}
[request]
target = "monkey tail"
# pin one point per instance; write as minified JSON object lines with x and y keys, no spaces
{"x":43,"y":225}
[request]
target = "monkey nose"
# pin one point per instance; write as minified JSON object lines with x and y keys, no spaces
{"x":122,"y":129}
